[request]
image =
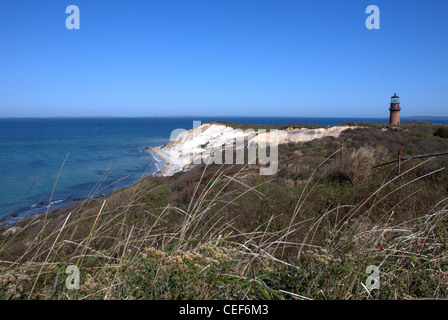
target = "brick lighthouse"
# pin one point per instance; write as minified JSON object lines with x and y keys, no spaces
{"x":394,"y":110}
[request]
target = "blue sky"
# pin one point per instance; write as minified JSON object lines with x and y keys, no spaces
{"x":223,"y":57}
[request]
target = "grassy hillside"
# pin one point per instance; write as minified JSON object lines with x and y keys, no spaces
{"x":308,"y":232}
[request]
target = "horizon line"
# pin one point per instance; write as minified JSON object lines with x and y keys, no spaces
{"x":210,"y":116}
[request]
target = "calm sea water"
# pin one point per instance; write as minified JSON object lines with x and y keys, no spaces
{"x":101,"y":154}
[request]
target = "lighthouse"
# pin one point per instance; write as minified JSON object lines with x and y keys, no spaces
{"x":394,"y":110}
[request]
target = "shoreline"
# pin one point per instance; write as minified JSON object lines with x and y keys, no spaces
{"x":169,"y":167}
{"x":175,"y":156}
{"x":43,"y":207}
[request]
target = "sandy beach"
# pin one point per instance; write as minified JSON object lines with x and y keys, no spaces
{"x":170,"y":163}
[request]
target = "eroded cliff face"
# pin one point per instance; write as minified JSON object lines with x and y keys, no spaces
{"x":302,"y":134}
{"x":199,"y":143}
{"x":204,"y":138}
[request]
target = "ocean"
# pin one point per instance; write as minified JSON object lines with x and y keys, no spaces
{"x":81,"y":157}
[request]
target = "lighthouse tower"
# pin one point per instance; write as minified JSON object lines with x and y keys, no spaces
{"x":394,"y":110}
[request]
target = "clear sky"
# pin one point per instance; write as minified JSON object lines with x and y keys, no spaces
{"x":223,"y":57}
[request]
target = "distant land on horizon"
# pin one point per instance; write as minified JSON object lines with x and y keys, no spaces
{"x":209,"y":116}
{"x":425,"y":117}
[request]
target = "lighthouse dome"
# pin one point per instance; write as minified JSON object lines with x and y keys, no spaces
{"x":395,"y":99}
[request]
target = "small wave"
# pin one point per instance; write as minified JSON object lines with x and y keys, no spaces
{"x":37,"y":209}
{"x":158,"y":162}
{"x":157,"y":166}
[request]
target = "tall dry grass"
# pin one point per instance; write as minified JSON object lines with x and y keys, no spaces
{"x":200,"y":252}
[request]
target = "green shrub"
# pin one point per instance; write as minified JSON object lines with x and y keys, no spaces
{"x":441,"y":132}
